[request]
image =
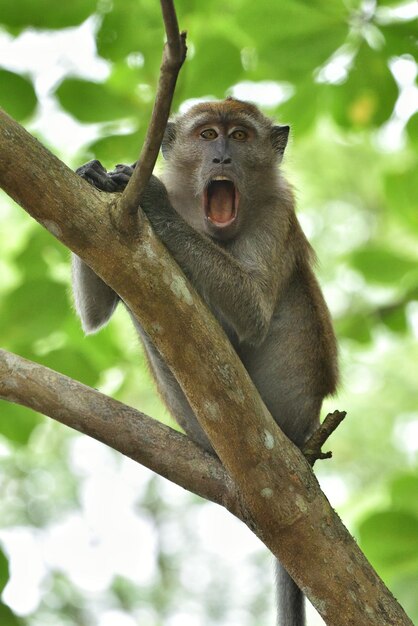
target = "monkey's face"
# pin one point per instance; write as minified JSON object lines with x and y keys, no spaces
{"x":222,"y":156}
{"x":220,"y":174}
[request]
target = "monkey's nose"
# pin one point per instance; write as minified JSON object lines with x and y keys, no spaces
{"x":223,"y":161}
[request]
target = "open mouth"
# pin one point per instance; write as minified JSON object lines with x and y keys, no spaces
{"x":220,"y":201}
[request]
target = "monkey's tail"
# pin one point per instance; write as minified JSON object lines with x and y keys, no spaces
{"x":290,"y":600}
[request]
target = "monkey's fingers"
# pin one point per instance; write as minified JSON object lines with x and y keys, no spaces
{"x":94,"y":165}
{"x":122,"y":173}
{"x":126,"y":170}
{"x":95,"y":174}
{"x":120,"y":181}
{"x":120,"y":176}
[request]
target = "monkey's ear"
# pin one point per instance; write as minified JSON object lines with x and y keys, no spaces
{"x":279,"y":136}
{"x":168,"y":139}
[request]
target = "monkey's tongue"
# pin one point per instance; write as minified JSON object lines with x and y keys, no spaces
{"x":220,"y":202}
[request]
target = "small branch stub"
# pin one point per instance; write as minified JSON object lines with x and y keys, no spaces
{"x":312,"y":448}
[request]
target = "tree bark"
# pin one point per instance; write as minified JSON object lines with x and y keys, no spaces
{"x":285,"y":505}
{"x":143,"y":439}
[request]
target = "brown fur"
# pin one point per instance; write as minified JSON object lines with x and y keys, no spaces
{"x":226,"y":109}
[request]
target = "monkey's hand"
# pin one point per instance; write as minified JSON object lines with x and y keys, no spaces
{"x":115,"y":181}
{"x":154,"y":199}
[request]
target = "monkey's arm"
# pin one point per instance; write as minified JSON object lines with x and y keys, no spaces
{"x":95,"y":174}
{"x":243,"y":291}
{"x":94,"y":300}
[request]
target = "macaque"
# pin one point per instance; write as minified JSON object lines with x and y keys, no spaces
{"x":227,"y":215}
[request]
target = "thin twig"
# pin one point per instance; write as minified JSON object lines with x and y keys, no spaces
{"x":312,"y":448}
{"x":174,"y":55}
{"x":172,"y":29}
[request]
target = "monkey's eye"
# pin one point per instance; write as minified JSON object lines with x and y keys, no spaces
{"x":209,"y":133}
{"x":239,"y":135}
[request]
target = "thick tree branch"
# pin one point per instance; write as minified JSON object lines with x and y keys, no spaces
{"x":173,"y":57}
{"x":156,"y":446}
{"x":287,"y":508}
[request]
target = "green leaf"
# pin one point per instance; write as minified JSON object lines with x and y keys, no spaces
{"x":401,"y":192}
{"x":7,"y":618}
{"x":357,"y":327}
{"x":295,"y":111}
{"x":17,"y":95}
{"x":100,"y":351}
{"x":202,"y":75}
{"x":289,"y":18}
{"x":404,"y":493}
{"x":17,"y":422}
{"x":395,"y":318}
{"x":95,"y":102}
{"x":368,"y":96}
{"x":390,"y":539}
{"x":45,"y":13}
{"x":117,"y":148}
{"x":401,"y":38}
{"x":32,"y":260}
{"x":300,"y":56}
{"x":73,"y":363}
{"x":126,"y":78}
{"x":32,"y":311}
{"x":132,"y":27}
{"x":380,"y":265}
{"x":412,"y":128}
{"x":292,"y":37}
{"x":4,"y":571}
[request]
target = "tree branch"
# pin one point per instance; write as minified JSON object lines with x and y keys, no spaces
{"x":173,"y":57}
{"x":286,"y":507}
{"x":312,"y":448}
{"x":156,"y":446}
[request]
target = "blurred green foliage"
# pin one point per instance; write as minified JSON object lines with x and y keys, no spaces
{"x":354,"y":163}
{"x":6,"y":615}
{"x":18,"y":95}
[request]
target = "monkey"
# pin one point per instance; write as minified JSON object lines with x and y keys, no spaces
{"x":227,"y":215}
